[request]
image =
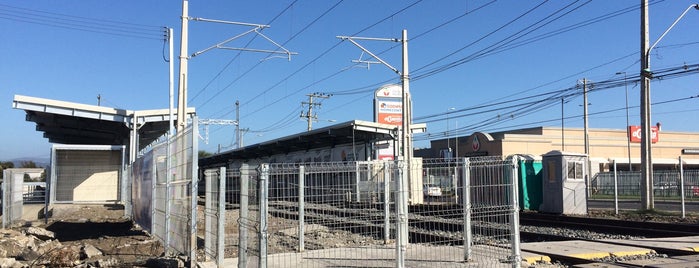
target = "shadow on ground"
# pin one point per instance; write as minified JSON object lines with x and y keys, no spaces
{"x":72,"y":231}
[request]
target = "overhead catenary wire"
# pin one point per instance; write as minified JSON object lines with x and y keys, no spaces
{"x":202,"y":90}
{"x":457,"y":132}
{"x":667,"y":73}
{"x":521,"y":109}
{"x":109,"y":27}
{"x":416,"y":73}
{"x":514,"y":38}
{"x":318,"y":57}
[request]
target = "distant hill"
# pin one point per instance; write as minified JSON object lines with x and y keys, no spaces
{"x":40,"y":162}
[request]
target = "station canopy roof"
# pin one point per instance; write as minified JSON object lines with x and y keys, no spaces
{"x":73,"y":123}
{"x":349,"y":132}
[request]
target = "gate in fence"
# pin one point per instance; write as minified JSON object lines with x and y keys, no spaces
{"x":356,"y":213}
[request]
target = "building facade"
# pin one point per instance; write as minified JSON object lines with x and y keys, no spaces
{"x":606,"y":146}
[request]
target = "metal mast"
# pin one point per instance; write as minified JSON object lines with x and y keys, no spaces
{"x":182,"y":88}
{"x":646,"y":165}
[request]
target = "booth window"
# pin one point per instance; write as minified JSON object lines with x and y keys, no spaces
{"x":551,"y":170}
{"x":575,"y":170}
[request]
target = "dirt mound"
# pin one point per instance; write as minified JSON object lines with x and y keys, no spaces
{"x":85,"y":235}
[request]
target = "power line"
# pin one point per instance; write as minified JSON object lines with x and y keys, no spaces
{"x":467,"y":130}
{"x":110,"y":27}
{"x":234,"y":59}
{"x":320,"y":56}
{"x":522,"y":109}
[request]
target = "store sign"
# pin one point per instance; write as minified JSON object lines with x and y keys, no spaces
{"x":388,"y":105}
{"x":636,"y":134}
{"x":388,"y":109}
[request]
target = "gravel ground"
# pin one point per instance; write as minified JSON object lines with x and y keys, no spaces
{"x":120,"y":243}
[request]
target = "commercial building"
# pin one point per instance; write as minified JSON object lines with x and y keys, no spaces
{"x":606,"y":146}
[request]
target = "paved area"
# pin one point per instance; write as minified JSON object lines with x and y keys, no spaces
{"x":533,"y":254}
{"x":685,"y":243}
{"x":418,"y":256}
{"x":583,"y":249}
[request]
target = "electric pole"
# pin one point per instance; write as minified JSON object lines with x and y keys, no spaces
{"x":646,"y":164}
{"x":588,"y":169}
{"x":310,"y":116}
{"x":238,"y":135}
{"x":182,"y":87}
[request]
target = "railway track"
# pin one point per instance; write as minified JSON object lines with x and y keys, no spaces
{"x":444,"y":224}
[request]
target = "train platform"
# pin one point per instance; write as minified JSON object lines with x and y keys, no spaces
{"x":429,"y":257}
{"x":618,"y":249}
{"x":580,"y":249}
{"x":535,"y":254}
{"x":684,"y":243}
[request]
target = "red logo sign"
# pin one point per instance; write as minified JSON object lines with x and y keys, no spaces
{"x":391,"y":119}
{"x":475,"y":145}
{"x":635,"y":132}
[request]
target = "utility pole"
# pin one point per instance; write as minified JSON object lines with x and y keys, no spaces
{"x":184,"y":58}
{"x":628,"y":131}
{"x":182,"y":87}
{"x":646,"y":133}
{"x":587,"y":133}
{"x":587,"y":136}
{"x":407,"y":105}
{"x":310,"y":116}
{"x":646,"y":164}
{"x":99,"y":98}
{"x":563,"y":135}
{"x":238,"y":134}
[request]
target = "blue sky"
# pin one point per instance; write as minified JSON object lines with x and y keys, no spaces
{"x":507,"y":57}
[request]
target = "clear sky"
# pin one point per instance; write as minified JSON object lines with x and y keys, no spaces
{"x":499,"y":64}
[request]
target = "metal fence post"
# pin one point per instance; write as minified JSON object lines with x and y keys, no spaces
{"x":302,"y":216}
{"x":154,"y":197}
{"x":455,"y":181}
{"x":221,"y":216}
{"x":682,"y":186}
{"x":616,"y":191}
{"x":243,"y":217}
{"x":402,"y":223}
{"x":208,"y":203}
{"x":466,"y":206}
{"x":125,"y":194}
{"x":263,"y":190}
{"x":5,"y":203}
{"x":168,"y":185}
{"x":357,"y":179}
{"x":516,"y":252}
{"x":193,"y":179}
{"x":386,"y":202}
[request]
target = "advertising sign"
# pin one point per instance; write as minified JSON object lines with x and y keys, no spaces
{"x":388,"y":109}
{"x":389,"y":91}
{"x":388,"y":105}
{"x":384,"y":150}
{"x":389,"y":112}
{"x":635,"y":136}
